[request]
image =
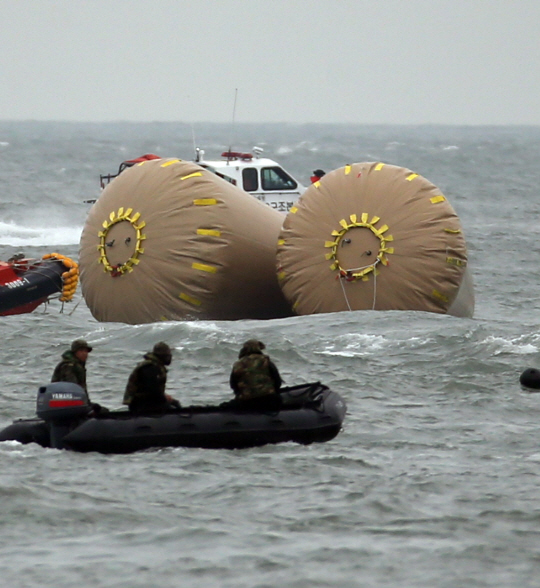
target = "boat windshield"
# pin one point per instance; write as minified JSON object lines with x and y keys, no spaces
{"x":276,"y":178}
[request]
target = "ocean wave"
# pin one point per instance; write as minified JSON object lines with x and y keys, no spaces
{"x":500,"y":345}
{"x":354,"y":345}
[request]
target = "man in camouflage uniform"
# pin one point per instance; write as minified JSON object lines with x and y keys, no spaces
{"x":72,"y":368}
{"x":255,"y":379}
{"x":145,"y":390}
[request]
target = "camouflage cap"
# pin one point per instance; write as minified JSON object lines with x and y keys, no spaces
{"x":252,"y":346}
{"x":161,"y":349}
{"x":80,"y":344}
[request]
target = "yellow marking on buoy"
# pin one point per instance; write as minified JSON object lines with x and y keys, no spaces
{"x":453,"y":231}
{"x":379,"y":166}
{"x":456,"y":261}
{"x":411,"y":177}
{"x":193,"y":175}
{"x":293,"y":210}
{"x":211,"y":269}
{"x":347,"y":169}
{"x":281,"y":242}
{"x":317,"y":184}
{"x":205,"y":201}
{"x":440,"y":296}
{"x":437,"y":199}
{"x":209,"y":232}
{"x":281,"y":275}
{"x":167,"y":163}
{"x":190,"y":299}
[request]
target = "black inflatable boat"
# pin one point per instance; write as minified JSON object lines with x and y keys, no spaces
{"x":310,"y":413}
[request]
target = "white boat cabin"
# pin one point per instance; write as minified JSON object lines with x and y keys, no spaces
{"x":261,"y":177}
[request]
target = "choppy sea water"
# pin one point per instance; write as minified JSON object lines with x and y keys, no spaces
{"x":434,"y":480}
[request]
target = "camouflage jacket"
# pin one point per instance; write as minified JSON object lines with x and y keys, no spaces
{"x":70,"y":369}
{"x":254,"y":375}
{"x":147,"y":382}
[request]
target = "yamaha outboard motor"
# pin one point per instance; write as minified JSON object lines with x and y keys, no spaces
{"x":62,"y":405}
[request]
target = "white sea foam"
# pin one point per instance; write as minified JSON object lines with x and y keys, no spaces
{"x":355,"y":345}
{"x":20,"y":236}
{"x":284,"y":150}
{"x":500,"y":345}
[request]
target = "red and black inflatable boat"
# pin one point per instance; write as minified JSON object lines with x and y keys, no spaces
{"x":26,"y":283}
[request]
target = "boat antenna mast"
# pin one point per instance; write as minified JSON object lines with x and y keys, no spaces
{"x":233,"y":123}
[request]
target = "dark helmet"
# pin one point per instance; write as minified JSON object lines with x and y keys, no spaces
{"x":319,"y":173}
{"x":79,"y":344}
{"x":251,"y":346}
{"x":163,"y":352}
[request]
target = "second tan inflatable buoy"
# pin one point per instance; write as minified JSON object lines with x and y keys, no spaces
{"x":372,"y":236}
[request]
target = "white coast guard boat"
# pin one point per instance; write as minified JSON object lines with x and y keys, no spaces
{"x":263,"y":178}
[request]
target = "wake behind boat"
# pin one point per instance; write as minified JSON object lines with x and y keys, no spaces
{"x":310,"y":413}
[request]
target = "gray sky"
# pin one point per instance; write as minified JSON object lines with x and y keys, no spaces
{"x":351,"y":61}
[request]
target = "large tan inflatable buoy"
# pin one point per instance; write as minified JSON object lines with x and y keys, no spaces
{"x":169,"y":240}
{"x":371,"y":236}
